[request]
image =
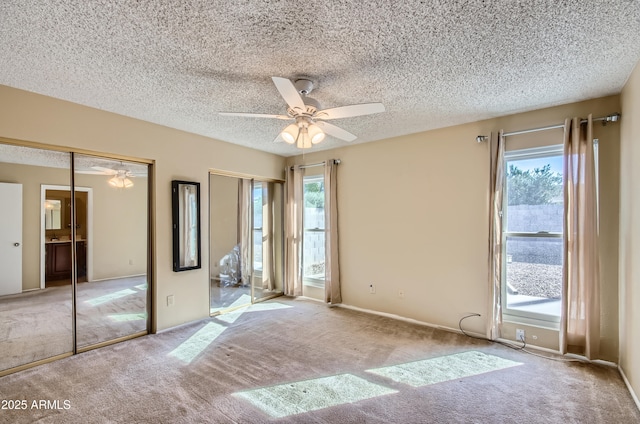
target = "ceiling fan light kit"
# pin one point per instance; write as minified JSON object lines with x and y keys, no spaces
{"x":310,"y":128}
{"x":120,"y":181}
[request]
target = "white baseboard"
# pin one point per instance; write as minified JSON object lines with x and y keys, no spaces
{"x":626,"y":381}
{"x":116,"y":278}
{"x":410,"y":320}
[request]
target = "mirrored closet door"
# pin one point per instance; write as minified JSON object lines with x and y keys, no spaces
{"x":246,"y":241}
{"x":74,"y":251}
{"x":112,"y":249}
{"x":36,"y":296}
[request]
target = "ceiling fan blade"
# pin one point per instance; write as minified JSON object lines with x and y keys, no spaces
{"x":349,"y":111}
{"x":106,"y":171}
{"x":88,"y":172}
{"x":255,"y":115}
{"x":336,"y":131}
{"x":289,"y":93}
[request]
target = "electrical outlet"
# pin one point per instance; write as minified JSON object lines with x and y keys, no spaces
{"x":520,"y":335}
{"x":372,"y":288}
{"x":170,"y":300}
{"x":130,"y":261}
{"x":401,"y":294}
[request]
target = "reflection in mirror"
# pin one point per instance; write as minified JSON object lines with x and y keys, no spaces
{"x":186,"y":225}
{"x":52,"y":220}
{"x":112,"y":299}
{"x":35,"y":322}
{"x":246,"y":241}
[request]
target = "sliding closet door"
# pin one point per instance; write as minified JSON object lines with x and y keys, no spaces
{"x":36,"y":305}
{"x":111,"y":239}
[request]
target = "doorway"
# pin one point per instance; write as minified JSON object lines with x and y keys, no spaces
{"x":56,"y":263}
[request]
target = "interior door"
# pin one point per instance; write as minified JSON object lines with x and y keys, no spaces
{"x":11,"y":239}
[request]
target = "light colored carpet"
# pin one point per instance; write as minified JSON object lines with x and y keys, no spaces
{"x":316,"y":348}
{"x":38,"y":325}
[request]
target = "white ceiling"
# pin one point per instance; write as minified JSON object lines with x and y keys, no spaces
{"x":431,"y":63}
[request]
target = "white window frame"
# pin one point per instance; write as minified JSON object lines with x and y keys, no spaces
{"x":515,"y":315}
{"x":308,"y":281}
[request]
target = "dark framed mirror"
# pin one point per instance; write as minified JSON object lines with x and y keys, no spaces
{"x":186,"y":225}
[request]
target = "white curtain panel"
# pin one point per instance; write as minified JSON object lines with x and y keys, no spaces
{"x":331,"y":259}
{"x":496,"y":184}
{"x":293,"y":231}
{"x":580,"y":322}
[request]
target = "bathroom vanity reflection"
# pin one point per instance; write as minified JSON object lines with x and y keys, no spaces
{"x":58,"y":262}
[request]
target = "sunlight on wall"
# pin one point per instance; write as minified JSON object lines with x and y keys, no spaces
{"x":310,"y":395}
{"x":444,"y":368}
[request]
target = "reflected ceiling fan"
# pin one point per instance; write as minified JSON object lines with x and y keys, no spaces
{"x":310,"y":126}
{"x":121,"y":176}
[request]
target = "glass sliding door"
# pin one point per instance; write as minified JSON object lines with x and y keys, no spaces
{"x":246,"y":241}
{"x":229,"y":226}
{"x":110,"y":226}
{"x":36,"y":297}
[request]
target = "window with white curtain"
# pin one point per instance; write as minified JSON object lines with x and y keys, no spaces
{"x":313,"y":256}
{"x":533,"y":236}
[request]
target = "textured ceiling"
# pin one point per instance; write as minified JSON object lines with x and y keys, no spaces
{"x":431,"y":63}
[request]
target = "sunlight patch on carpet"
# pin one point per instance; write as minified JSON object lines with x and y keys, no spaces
{"x":109,"y":297}
{"x":197,"y":343}
{"x":194,"y":345}
{"x":444,"y":368}
{"x":263,"y":306}
{"x":128,"y":317}
{"x":142,"y":286}
{"x":310,"y":395}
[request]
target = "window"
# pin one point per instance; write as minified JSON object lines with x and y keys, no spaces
{"x":314,"y":231}
{"x":532,"y":237}
{"x":257,"y":228}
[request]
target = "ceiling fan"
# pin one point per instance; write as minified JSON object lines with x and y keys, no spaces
{"x":310,"y":126}
{"x":121,"y":176}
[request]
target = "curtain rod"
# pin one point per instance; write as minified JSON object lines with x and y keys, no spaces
{"x":611,"y":118}
{"x":311,"y":165}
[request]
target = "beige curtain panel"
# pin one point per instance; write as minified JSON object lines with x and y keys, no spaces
{"x":496,"y":183}
{"x":293,"y":231}
{"x":580,"y":322}
{"x":245,"y":229}
{"x":268,"y":254}
{"x":331,"y":259}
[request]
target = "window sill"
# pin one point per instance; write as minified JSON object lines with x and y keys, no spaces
{"x":534,"y":322}
{"x":313,"y":282}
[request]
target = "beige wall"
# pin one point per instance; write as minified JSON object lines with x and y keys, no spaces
{"x":119,"y":227}
{"x":630,"y":231}
{"x":414,"y":217}
{"x":176,"y":154}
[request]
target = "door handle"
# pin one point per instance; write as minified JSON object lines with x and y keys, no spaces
{"x":16,"y":244}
